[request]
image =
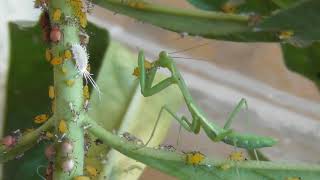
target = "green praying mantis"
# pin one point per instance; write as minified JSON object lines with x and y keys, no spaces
{"x":147,"y":72}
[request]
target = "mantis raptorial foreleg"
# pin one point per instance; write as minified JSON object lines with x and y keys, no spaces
{"x":213,"y":131}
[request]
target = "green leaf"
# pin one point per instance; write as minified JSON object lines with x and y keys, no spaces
{"x":173,"y":163}
{"x":27,"y":91}
{"x":303,"y":19}
{"x":304,"y":61}
{"x":215,"y":25}
{"x":261,"y":7}
{"x":123,"y":108}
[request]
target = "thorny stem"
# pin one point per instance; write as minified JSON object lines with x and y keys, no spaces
{"x":26,"y":142}
{"x":66,"y":95}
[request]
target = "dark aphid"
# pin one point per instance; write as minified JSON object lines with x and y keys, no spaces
{"x":98,"y":142}
{"x":45,"y":26}
{"x":50,"y":152}
{"x":55,"y":34}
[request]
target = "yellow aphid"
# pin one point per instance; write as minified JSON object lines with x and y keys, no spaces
{"x":228,"y":8}
{"x":286,"y":34}
{"x":70,"y":82}
{"x":51,"y":92}
{"x":64,"y":70}
{"x":293,"y":178}
{"x":56,"y":15}
{"x":39,"y":119}
{"x":83,"y":20}
{"x":225,"y":166}
{"x":49,"y":135}
{"x":63,"y":128}
{"x":67,"y":54}
{"x":136,"y":72}
{"x":53,"y":106}
{"x":29,"y":130}
{"x":194,"y":158}
{"x":237,"y":156}
{"x":56,"y":61}
{"x":91,"y":171}
{"x":48,"y":55}
{"x":81,"y":178}
{"x":86,"y":93}
{"x":148,"y":65}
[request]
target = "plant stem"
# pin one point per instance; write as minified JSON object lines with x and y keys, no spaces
{"x":26,"y":142}
{"x":66,"y":95}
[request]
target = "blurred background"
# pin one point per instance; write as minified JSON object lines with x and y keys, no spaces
{"x":281,"y":103}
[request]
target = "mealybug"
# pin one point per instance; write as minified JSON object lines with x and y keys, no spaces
{"x":81,"y":58}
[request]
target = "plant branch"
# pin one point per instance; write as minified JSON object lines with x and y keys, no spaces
{"x":25,"y":142}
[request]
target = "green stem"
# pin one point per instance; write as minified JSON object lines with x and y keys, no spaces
{"x":25,"y":143}
{"x":65,"y":95}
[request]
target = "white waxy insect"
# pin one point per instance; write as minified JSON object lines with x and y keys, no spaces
{"x":81,"y":57}
{"x":68,"y":165}
{"x":66,"y":147}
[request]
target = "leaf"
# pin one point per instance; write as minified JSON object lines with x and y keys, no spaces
{"x":27,"y":91}
{"x":215,"y":25}
{"x":124,"y":109}
{"x":173,"y":163}
{"x":304,"y":61}
{"x":261,"y":7}
{"x":302,"y":18}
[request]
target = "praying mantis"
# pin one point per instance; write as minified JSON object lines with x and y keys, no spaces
{"x":147,"y":72}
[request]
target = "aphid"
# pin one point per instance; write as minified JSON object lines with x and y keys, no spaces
{"x":64,"y":70}
{"x":49,"y":171}
{"x":55,"y":34}
{"x":86,"y":105}
{"x":45,"y":25}
{"x":56,"y":60}
{"x":70,"y":82}
{"x":147,"y":65}
{"x":53,"y":106}
{"x":283,"y":35}
{"x":92,"y":171}
{"x":86,"y":93}
{"x":51,"y":92}
{"x":225,"y":166}
{"x":131,"y":138}
{"x":50,"y":152}
{"x":68,"y":165}
{"x":66,"y":148}
{"x":81,"y":58}
{"x":49,"y":135}
{"x":84,"y":38}
{"x":56,"y":15}
{"x":183,"y":34}
{"x":98,"y":142}
{"x":228,"y":8}
{"x":41,"y":118}
{"x":63,"y":128}
{"x":237,"y":156}
{"x":137,"y":5}
{"x":293,"y":178}
{"x":194,"y":158}
{"x":67,"y":54}
{"x":48,"y":55}
{"x":9,"y":141}
{"x":81,"y":178}
{"x":254,"y":19}
{"x":167,"y":148}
